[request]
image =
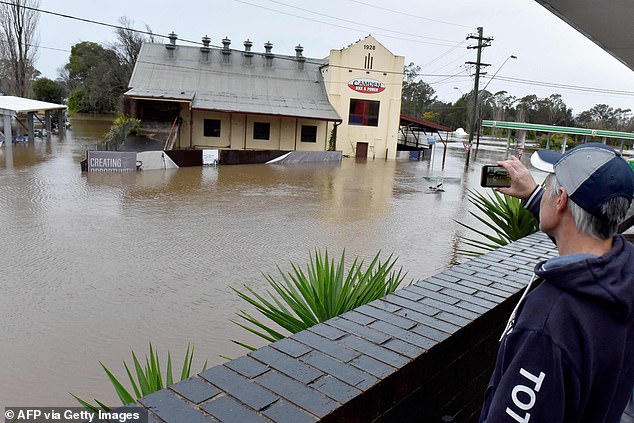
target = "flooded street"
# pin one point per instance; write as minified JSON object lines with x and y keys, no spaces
{"x":94,"y":265}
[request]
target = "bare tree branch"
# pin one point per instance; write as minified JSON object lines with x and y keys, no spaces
{"x":19,"y":41}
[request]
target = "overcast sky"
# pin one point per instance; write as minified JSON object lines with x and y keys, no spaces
{"x":432,"y":34}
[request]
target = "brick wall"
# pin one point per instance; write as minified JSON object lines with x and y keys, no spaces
{"x":423,"y":353}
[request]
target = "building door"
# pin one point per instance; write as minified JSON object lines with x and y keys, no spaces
{"x":362,"y":150}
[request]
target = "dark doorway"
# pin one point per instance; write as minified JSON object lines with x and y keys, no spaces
{"x":362,"y":150}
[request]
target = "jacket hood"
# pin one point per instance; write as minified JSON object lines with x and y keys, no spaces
{"x":608,"y":280}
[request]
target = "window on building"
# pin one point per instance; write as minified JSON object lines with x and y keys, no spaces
{"x":261,"y":130}
{"x":211,"y":128}
{"x":364,"y":112}
{"x":309,"y":133}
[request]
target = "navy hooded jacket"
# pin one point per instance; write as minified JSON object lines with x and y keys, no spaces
{"x":568,"y":356}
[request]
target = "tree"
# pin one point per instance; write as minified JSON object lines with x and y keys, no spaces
{"x":95,"y":77}
{"x":18,"y":42}
{"x":48,"y":90}
{"x":602,"y":116}
{"x":553,"y":111}
{"x":416,"y":97}
{"x":129,"y":42}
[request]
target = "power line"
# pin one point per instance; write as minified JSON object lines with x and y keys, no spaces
{"x":565,"y":86}
{"x":356,"y":22}
{"x":62,"y":15}
{"x":411,"y":15}
{"x":335,"y":25}
{"x":321,"y":63}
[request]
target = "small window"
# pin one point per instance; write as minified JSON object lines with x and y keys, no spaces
{"x":211,"y":128}
{"x":309,"y":133}
{"x":261,"y":130}
{"x":364,"y":112}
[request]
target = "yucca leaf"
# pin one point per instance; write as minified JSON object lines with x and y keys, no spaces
{"x":303,"y":298}
{"x":123,"y":394}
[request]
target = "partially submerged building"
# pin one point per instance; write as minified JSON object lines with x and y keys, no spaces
{"x":220,"y":98}
{"x":364,"y":83}
{"x":226,"y":99}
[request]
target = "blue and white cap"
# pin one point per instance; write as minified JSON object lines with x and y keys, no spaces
{"x":591,"y":173}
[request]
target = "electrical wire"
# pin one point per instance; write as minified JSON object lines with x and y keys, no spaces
{"x":336,"y":25}
{"x":321,"y":63}
{"x":411,"y":15}
{"x":356,"y":23}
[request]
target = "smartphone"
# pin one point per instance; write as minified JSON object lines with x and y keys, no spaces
{"x":494,"y":176}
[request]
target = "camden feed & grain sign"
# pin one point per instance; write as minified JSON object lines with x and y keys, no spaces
{"x":111,"y":161}
{"x":366,"y":85}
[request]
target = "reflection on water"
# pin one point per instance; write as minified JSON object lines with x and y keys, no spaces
{"x":93,"y":265}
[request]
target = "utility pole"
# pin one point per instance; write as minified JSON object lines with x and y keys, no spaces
{"x":482,"y":43}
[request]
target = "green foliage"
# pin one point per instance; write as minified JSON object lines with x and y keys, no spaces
{"x":332,"y":141}
{"x":504,"y":216}
{"x":48,"y":90}
{"x":96,"y":78}
{"x":76,"y":99}
{"x":121,"y":127}
{"x":431,"y":116}
{"x":323,"y":291}
{"x":146,"y":380}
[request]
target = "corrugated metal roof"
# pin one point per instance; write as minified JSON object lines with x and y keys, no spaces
{"x":22,"y":105}
{"x":426,"y":124}
{"x":282,"y":89}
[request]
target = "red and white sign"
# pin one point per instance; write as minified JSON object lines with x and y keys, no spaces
{"x":366,"y":85}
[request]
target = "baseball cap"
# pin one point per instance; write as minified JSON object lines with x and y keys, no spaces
{"x":591,"y":173}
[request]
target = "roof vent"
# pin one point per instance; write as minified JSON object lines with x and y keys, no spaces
{"x":299,"y":57}
{"x":247,"y":52}
{"x":226,"y":51}
{"x":205,"y":48}
{"x":172,"y":44}
{"x":267,"y":53}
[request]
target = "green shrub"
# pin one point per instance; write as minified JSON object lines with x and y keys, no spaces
{"x":504,"y":216}
{"x":323,"y":291}
{"x":148,"y":379}
{"x":121,"y":127}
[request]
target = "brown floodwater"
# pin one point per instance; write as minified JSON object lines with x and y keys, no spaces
{"x":94,"y":265}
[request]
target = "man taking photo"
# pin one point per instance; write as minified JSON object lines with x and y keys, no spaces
{"x":567,"y":352}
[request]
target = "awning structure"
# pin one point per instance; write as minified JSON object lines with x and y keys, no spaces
{"x":558,"y":129}
{"x":522,"y":127}
{"x":605,"y":23}
{"x":423,"y":124}
{"x":409,"y":134}
{"x":11,"y":106}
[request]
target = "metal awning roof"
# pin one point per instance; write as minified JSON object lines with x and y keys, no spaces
{"x":607,"y":23}
{"x":424,"y":124}
{"x":558,"y":129}
{"x":10,"y":105}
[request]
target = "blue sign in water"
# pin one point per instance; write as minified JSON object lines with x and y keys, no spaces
{"x":111,"y":161}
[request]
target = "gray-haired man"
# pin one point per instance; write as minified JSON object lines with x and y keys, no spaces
{"x":567,"y":352}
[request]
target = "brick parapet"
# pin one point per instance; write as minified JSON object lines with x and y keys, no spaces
{"x":424,"y":352}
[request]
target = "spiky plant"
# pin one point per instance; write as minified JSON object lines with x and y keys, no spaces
{"x":505,"y":218}
{"x":148,"y":379}
{"x":301,"y":299}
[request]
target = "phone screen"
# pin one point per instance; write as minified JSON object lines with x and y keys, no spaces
{"x":494,"y":177}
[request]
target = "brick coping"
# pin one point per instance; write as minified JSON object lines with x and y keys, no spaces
{"x":329,"y":372}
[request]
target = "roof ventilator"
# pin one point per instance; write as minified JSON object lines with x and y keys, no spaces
{"x":267,"y":53}
{"x":226,"y":51}
{"x":171,"y":46}
{"x":204,"y":50}
{"x":299,"y":57}
{"x":247,"y":52}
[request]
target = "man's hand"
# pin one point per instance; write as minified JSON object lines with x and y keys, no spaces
{"x":522,"y":182}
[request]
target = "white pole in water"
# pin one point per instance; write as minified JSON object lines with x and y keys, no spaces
{"x":8,"y":136}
